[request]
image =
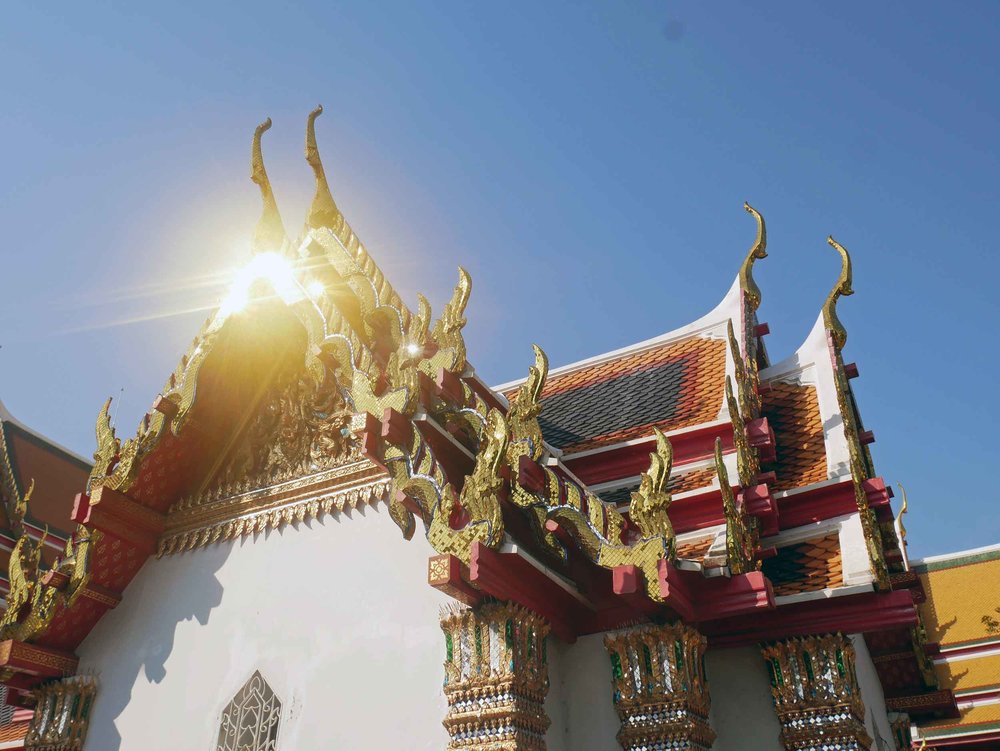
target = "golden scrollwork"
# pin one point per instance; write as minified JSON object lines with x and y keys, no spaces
{"x":902,"y":512}
{"x":841,"y":289}
{"x":741,"y":528}
{"x":652,"y":500}
{"x":758,"y":250}
{"x":659,"y":687}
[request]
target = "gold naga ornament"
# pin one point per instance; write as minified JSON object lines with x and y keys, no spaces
{"x":33,"y":600}
{"x":859,"y":456}
{"x":741,"y":529}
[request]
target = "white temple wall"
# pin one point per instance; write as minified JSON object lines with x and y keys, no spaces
{"x":336,"y":614}
{"x":876,"y":717}
{"x":742,"y":714}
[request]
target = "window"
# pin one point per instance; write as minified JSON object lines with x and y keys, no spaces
{"x":250,"y":720}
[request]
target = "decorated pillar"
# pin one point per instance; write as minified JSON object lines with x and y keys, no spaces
{"x":816,"y":694}
{"x":660,"y":691}
{"x":496,"y":678}
{"x":62,"y":714}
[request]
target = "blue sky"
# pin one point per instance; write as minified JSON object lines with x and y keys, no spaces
{"x":586,"y":162}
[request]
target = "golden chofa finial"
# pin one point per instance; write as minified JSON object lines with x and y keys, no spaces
{"x":323,"y":212}
{"x":841,"y":289}
{"x":269,"y":235}
{"x":902,"y":512}
{"x":759,"y":250}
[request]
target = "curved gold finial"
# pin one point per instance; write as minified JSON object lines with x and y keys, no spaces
{"x":323,"y":212}
{"x":269,"y":235}
{"x":902,"y":510}
{"x":841,"y":289}
{"x":758,"y":250}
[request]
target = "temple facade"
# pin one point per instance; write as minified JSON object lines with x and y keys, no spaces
{"x":330,"y":532}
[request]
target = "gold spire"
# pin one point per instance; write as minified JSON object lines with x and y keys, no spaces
{"x":841,"y":289}
{"x":323,"y":212}
{"x":269,"y":235}
{"x":759,"y":250}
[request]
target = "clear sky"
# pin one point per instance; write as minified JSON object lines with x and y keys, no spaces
{"x":586,"y":162}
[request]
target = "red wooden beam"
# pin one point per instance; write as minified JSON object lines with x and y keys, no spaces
{"x":118,"y":515}
{"x":828,"y":501}
{"x":629,"y":460}
{"x":36,"y":660}
{"x":869,"y":611}
{"x":509,"y":576}
{"x":449,"y":453}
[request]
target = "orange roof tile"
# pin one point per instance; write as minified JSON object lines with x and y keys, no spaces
{"x":13,"y":731}
{"x":670,"y":386}
{"x":696,"y":550}
{"x":793,"y":412}
{"x":806,"y":567}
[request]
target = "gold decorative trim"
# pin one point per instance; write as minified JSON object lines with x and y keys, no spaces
{"x":333,"y":491}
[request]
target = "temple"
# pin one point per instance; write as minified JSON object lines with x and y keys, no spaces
{"x":330,"y":532}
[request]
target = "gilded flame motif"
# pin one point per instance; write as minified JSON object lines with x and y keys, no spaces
{"x":841,"y":289}
{"x":652,"y":500}
{"x":269,"y":236}
{"x":757,"y":251}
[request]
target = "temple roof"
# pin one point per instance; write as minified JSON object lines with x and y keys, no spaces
{"x":670,"y":386}
{"x":963,"y":615}
{"x":27,"y":457}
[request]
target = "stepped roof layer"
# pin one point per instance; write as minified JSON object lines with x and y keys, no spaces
{"x":962,"y":612}
{"x":314,"y":388}
{"x":28,"y":458}
{"x":793,"y":411}
{"x":670,"y":386}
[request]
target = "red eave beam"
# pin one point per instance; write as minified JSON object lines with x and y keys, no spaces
{"x":118,"y":515}
{"x":509,"y":576}
{"x":34,"y":660}
{"x":849,"y":614}
{"x":829,"y":501}
{"x":629,"y":460}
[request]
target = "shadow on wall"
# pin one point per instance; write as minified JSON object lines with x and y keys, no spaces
{"x":122,"y":649}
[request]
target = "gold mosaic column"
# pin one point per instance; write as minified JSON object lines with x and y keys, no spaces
{"x":62,"y":714}
{"x":496,"y":678}
{"x":660,"y":691}
{"x":816,"y":694}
